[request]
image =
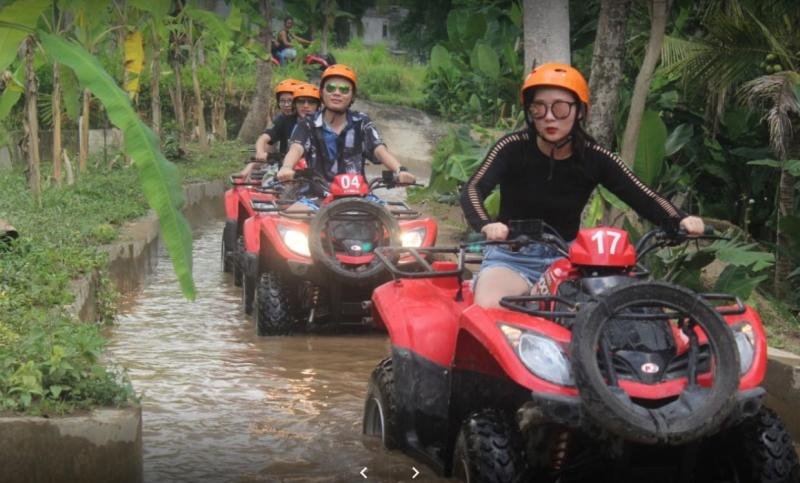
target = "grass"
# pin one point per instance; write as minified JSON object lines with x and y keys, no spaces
{"x":383,"y":77}
{"x":50,"y":361}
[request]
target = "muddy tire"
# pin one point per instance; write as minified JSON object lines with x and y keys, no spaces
{"x":248,"y":293}
{"x":273,"y":311}
{"x":697,"y":412}
{"x":225,"y":254}
{"x":238,"y":270}
{"x":321,"y":248}
{"x":764,"y":451}
{"x":489,"y":448}
{"x":380,"y":413}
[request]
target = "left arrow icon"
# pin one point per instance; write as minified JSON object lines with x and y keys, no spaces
{"x":363,"y":472}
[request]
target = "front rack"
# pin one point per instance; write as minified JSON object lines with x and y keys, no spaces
{"x":533,"y":305}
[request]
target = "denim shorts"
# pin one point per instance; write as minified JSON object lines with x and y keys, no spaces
{"x":530,"y":262}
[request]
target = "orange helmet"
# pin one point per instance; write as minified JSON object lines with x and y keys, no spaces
{"x":286,"y":85}
{"x":339,"y":70}
{"x":305,"y":90}
{"x":557,"y":75}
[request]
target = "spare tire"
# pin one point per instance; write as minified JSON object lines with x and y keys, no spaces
{"x":354,"y":227}
{"x":697,"y":411}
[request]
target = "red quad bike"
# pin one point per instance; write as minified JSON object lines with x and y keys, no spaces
{"x":603,"y":375}
{"x":307,"y":266}
{"x":238,"y":207}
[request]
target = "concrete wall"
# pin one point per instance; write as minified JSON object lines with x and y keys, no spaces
{"x":102,"y":446}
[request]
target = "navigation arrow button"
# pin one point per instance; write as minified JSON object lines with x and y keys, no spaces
{"x":363,"y":472}
{"x":416,"y":472}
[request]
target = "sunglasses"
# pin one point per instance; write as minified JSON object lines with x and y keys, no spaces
{"x":331,"y":88}
{"x":560,"y":109}
{"x":285,"y":102}
{"x":307,"y":102}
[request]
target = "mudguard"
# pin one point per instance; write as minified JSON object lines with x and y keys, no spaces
{"x":421,"y":315}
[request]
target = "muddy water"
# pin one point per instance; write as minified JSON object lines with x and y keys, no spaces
{"x":220,"y":403}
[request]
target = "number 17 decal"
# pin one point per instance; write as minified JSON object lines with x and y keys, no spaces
{"x":600,"y":236}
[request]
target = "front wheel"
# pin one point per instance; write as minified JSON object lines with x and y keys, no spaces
{"x":489,"y":448}
{"x":761,"y":450}
{"x":380,"y":413}
{"x":273,"y":305}
{"x":248,"y":293}
{"x":238,"y":269}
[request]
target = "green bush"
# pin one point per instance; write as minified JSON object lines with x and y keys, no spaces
{"x":50,"y":362}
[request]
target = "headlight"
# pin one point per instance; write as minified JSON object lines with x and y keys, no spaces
{"x":413,"y":238}
{"x":296,"y":241}
{"x":543,"y":356}
{"x":745,"y":344}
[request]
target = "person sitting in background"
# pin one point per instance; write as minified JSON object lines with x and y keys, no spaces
{"x":286,"y":47}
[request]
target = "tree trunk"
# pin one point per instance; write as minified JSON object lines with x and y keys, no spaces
{"x":219,"y":126}
{"x":83,"y":155}
{"x":325,"y":27}
{"x":202,"y":136}
{"x":546,"y":32}
{"x":256,"y":118}
{"x":34,"y":179}
{"x":606,"y":75}
{"x":177,"y":103}
{"x":783,"y":262}
{"x":659,"y":10}
{"x":56,"y":124}
{"x":155,"y":90}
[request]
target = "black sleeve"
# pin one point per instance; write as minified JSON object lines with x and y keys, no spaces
{"x":274,"y":131}
{"x":621,"y":181}
{"x":483,"y":181}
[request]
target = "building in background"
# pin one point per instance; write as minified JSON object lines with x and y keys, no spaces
{"x":379,"y":25}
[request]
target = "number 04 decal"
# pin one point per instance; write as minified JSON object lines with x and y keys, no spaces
{"x":600,"y":238}
{"x":350,"y":181}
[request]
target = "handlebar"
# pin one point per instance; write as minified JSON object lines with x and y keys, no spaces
{"x":525,"y":232}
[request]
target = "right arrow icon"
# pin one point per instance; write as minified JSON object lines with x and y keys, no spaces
{"x":416,"y":472}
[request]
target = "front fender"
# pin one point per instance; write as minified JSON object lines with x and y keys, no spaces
{"x":482,"y":325}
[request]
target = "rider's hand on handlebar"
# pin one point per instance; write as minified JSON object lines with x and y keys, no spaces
{"x":496,"y":231}
{"x":693,"y":225}
{"x":285,"y":174}
{"x":404,"y":177}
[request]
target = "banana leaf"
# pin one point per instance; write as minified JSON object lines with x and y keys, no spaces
{"x":22,"y":13}
{"x":159,"y":177}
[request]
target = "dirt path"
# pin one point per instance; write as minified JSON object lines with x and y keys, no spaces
{"x":411,"y":136}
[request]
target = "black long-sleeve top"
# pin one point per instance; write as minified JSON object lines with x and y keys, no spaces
{"x":533,"y":186}
{"x":281,"y":130}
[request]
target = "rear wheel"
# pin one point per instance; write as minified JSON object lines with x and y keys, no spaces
{"x":489,"y":449}
{"x":380,"y":414}
{"x":273,"y":305}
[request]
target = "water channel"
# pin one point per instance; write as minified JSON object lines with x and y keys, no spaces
{"x":220,"y":403}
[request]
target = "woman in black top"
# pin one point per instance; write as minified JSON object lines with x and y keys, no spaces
{"x":548,"y":171}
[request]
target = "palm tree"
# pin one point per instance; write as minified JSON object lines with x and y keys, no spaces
{"x":744,"y":40}
{"x":778,"y":95}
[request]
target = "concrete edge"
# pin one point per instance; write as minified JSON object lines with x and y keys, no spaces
{"x":104,"y":445}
